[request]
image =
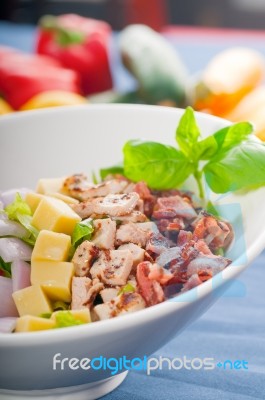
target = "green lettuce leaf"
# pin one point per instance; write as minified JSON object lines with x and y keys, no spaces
{"x":187,"y":132}
{"x":82,"y":231}
{"x":65,"y":319}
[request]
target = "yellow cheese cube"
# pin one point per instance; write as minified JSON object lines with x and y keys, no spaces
{"x":54,"y":277}
{"x":50,"y":185}
{"x":63,"y":197}
{"x":28,"y":323}
{"x":33,"y":199}
{"x":82,"y":315}
{"x":51,"y":246}
{"x":32,"y":301}
{"x":54,"y":215}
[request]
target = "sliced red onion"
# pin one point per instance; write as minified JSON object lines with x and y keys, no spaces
{"x":8,"y":196}
{"x":7,"y":325}
{"x":7,"y":305}
{"x":20,"y":275}
{"x":12,"y":228}
{"x":12,"y":249}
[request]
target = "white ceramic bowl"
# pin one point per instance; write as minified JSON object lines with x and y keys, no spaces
{"x":63,"y":141}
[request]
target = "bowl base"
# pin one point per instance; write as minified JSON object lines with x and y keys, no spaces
{"x":90,"y":391}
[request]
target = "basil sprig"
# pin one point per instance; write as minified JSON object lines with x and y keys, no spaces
{"x":229,"y":160}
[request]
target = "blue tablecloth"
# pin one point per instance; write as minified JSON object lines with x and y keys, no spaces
{"x":234,"y":328}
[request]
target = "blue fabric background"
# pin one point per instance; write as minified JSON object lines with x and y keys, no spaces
{"x":234,"y":328}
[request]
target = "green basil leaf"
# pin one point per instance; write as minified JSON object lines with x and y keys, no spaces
{"x":240,"y":167}
{"x":159,"y":165}
{"x":5,"y":268}
{"x":187,"y":133}
{"x":233,"y":135}
{"x":206,"y":148}
{"x":115,"y":169}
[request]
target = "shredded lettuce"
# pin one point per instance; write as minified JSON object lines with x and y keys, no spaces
{"x":5,"y":268}
{"x":20,"y":211}
{"x":65,"y":319}
{"x":82,"y":231}
{"x":127,"y":289}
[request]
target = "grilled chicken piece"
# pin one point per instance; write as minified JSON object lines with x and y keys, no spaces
{"x":83,"y":258}
{"x":150,"y":289}
{"x":113,"y":267}
{"x":79,"y":187}
{"x":174,"y":206}
{"x":131,"y":233}
{"x":137,"y":252}
{"x":134,"y":216}
{"x":84,"y":291}
{"x":123,"y":304}
{"x":108,"y":294}
{"x":104,"y":236}
{"x":148,"y":226}
{"x":80,"y":287}
{"x":113,"y":205}
{"x":117,"y":204}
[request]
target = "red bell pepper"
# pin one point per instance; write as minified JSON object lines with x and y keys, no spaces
{"x":22,"y":76}
{"x":80,"y":44}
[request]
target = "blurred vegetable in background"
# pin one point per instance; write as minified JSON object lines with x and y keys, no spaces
{"x":22,"y":76}
{"x":228,"y":77}
{"x":80,"y":44}
{"x":74,"y":61}
{"x":155,"y":64}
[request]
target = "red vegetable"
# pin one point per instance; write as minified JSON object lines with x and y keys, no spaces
{"x":80,"y":44}
{"x":22,"y":76}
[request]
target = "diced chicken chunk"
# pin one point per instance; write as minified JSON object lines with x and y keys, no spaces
{"x":148,"y":226}
{"x":108,"y":294}
{"x":84,"y":291}
{"x":83,"y":258}
{"x":137,"y":252}
{"x":79,"y":187}
{"x":80,"y":287}
{"x":113,"y":267}
{"x":134,"y":216}
{"x":131,"y":233}
{"x":117,"y":204}
{"x":113,"y":205}
{"x":123,"y":304}
{"x":104,"y":236}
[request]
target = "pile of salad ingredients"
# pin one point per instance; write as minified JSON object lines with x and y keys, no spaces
{"x":103,"y":250}
{"x":76,"y":251}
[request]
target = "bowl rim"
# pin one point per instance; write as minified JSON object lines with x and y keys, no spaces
{"x":151,"y":313}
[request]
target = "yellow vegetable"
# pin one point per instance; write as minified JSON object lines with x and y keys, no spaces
{"x":54,"y":277}
{"x":227,"y":79}
{"x":82,"y":315}
{"x":5,"y":108}
{"x":54,"y":215}
{"x":251,"y":108}
{"x":53,"y":98}
{"x":51,"y":246}
{"x":28,"y":323}
{"x":32,"y":301}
